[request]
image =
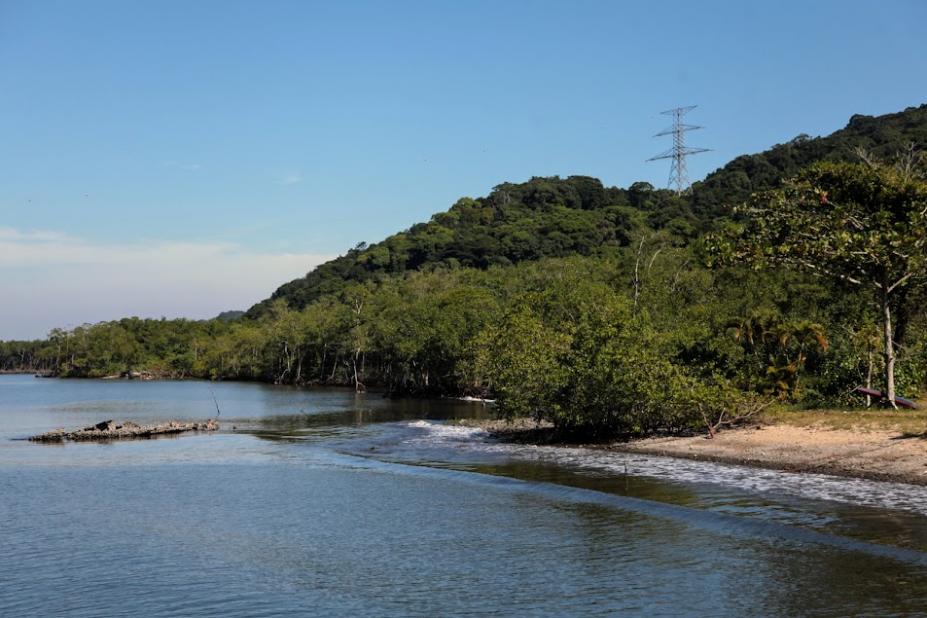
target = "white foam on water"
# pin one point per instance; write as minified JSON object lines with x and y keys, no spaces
{"x":757,"y":480}
{"x":441,"y":432}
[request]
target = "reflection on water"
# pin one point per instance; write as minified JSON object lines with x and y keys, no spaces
{"x":366,"y":409}
{"x":429,"y":439}
{"x":29,"y":404}
{"x":326,"y":502}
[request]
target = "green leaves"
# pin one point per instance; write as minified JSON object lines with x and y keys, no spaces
{"x":854,"y":224}
{"x":579,"y":356}
{"x":859,"y":224}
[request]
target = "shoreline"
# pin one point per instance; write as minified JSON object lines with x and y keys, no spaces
{"x":883,"y":454}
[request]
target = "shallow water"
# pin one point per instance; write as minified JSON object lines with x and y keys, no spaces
{"x":324,"y":502}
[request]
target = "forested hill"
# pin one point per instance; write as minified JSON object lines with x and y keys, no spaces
{"x":882,"y":136}
{"x":554,"y":217}
{"x":544,"y":217}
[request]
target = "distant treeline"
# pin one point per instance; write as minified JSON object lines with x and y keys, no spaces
{"x":649,"y":317}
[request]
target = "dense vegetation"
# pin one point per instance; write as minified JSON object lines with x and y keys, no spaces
{"x":550,"y":217}
{"x":604,"y":310}
{"x":859,"y":224}
{"x":545,"y":217}
{"x":882,"y":136}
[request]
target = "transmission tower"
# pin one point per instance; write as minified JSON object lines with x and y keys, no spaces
{"x":679,"y":151}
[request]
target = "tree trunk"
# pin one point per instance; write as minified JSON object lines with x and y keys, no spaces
{"x":358,"y":385}
{"x":889,"y":351}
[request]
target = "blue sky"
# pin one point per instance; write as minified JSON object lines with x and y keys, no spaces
{"x":197,"y":154}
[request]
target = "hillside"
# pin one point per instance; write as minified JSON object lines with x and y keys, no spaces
{"x":883,"y":136}
{"x":544,"y":217}
{"x":554,"y":217}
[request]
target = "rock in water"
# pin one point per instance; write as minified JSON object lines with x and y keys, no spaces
{"x":109,"y":430}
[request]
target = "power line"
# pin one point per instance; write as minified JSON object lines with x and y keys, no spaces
{"x":678,"y":175}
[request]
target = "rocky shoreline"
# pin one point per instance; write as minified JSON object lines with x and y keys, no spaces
{"x":110,"y":430}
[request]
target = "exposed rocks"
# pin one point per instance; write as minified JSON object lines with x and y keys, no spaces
{"x":140,"y":375}
{"x":109,"y":430}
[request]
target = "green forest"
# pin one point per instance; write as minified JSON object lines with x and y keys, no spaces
{"x":792,"y":275}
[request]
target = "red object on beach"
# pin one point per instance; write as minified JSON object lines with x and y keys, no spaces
{"x":901,"y":402}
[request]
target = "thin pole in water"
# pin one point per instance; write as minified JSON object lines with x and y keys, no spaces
{"x":215,"y":401}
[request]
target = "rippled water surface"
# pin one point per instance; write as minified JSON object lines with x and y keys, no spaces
{"x":323,"y":502}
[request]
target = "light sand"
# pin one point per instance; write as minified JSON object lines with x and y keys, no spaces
{"x":874,"y":454}
{"x":880,"y":454}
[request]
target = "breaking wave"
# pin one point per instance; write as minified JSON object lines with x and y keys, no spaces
{"x":430,"y":436}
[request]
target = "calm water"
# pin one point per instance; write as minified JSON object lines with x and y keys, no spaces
{"x":329,"y":503}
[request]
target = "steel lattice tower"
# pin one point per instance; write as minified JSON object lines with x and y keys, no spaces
{"x":678,"y":153}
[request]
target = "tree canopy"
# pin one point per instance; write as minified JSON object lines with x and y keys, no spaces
{"x":860,"y":224}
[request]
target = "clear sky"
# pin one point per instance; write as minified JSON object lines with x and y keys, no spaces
{"x":182,"y":158}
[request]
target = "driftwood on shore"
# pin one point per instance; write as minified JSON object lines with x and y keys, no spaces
{"x":109,"y":430}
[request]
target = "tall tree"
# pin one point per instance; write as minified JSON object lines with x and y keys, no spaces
{"x":860,"y":224}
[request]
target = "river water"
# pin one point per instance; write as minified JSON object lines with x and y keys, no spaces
{"x":324,"y":502}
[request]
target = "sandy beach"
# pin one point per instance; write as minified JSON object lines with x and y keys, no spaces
{"x":891,"y":453}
